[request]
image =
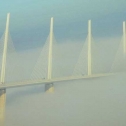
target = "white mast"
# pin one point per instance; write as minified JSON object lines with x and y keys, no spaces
{"x":89,"y":48}
{"x":124,"y":37}
{"x":3,"y":92}
{"x":50,"y":87}
{"x":50,"y":50}
{"x":5,"y":50}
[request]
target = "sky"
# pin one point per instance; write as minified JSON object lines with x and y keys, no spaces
{"x":30,"y":19}
{"x":99,"y":101}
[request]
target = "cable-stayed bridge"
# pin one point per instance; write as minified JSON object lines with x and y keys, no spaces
{"x":45,"y":69}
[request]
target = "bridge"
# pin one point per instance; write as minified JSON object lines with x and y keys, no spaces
{"x":83,"y":68}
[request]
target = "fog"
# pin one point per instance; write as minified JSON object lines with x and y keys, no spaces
{"x":87,"y":102}
{"x":99,"y":101}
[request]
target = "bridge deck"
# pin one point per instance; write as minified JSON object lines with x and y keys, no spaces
{"x":47,"y":81}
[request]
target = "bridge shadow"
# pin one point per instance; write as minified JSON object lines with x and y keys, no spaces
{"x":16,"y":93}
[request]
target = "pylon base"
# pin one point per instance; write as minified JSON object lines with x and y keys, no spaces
{"x":49,"y":88}
{"x":2,"y":107}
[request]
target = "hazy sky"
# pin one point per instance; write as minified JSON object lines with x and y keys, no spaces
{"x":30,"y":19}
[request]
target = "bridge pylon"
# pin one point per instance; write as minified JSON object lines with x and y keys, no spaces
{"x":50,"y":87}
{"x":3,"y":92}
{"x":124,"y":38}
{"x":89,"y":49}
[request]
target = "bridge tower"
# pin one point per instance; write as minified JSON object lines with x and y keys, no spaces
{"x":89,"y":49}
{"x":124,"y":38}
{"x":3,"y":92}
{"x":50,"y":87}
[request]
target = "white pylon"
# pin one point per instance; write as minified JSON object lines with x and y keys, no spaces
{"x":5,"y":50}
{"x":3,"y":92}
{"x":50,"y":50}
{"x":89,"y":48}
{"x":49,"y":87}
{"x":124,"y":37}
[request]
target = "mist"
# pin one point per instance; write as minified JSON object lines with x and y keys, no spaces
{"x":89,"y":102}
